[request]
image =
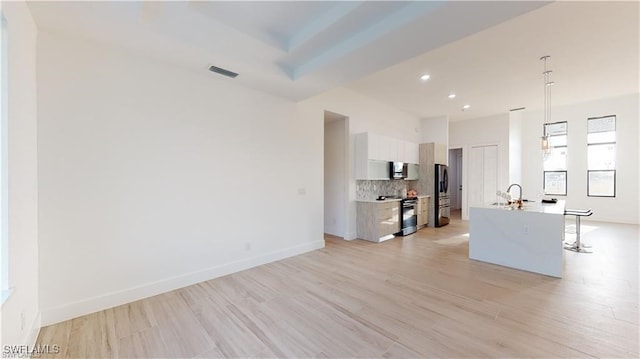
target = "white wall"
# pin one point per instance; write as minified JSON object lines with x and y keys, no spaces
{"x":335,"y":136}
{"x":521,"y":133}
{"x":154,"y":178}
{"x":624,"y":207}
{"x":435,"y":129}
{"x":492,"y":130}
{"x":515,"y":146}
{"x":365,"y":115}
{"x":20,"y":313}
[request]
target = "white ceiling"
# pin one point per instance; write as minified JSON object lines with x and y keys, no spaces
{"x":487,"y":52}
{"x":594,"y":48}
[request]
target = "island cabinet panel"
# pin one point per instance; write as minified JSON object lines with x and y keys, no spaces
{"x":529,"y":239}
{"x":377,"y":220}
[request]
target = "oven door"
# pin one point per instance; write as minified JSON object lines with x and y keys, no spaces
{"x":409,"y":217}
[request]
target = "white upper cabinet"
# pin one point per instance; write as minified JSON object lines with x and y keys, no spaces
{"x":407,"y":152}
{"x":370,"y":149}
{"x":372,"y":145}
{"x":388,"y":150}
{"x":412,"y":152}
{"x":400,"y":151}
{"x":368,"y":153}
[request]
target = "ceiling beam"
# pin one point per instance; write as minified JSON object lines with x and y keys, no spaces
{"x":321,"y":23}
{"x":403,"y":16}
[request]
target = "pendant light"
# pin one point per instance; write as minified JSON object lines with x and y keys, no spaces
{"x":544,"y":143}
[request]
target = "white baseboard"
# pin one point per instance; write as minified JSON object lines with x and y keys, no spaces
{"x":113,"y":299}
{"x":332,"y":231}
{"x":351,"y":236}
{"x":33,"y":331}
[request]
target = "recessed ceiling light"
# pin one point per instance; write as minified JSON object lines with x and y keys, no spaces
{"x":466,"y":107}
{"x":425,"y":77}
{"x":452,"y":95}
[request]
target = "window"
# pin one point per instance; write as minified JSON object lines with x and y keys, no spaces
{"x":555,"y":161}
{"x":601,"y":156}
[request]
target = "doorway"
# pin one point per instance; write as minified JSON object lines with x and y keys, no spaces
{"x":336,"y":135}
{"x":455,"y":178}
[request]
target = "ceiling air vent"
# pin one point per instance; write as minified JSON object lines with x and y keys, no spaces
{"x":222,"y":71}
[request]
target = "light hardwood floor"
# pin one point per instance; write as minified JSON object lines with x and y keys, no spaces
{"x":417,"y":296}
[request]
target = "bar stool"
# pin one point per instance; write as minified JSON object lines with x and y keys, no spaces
{"x":577,"y":246}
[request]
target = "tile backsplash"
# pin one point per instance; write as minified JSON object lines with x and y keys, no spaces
{"x":369,"y":190}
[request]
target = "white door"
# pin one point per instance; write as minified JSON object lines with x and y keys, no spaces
{"x":483,"y":175}
{"x":490,"y":174}
{"x":475,"y":182}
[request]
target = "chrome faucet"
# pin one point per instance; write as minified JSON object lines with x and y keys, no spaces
{"x":519,"y":186}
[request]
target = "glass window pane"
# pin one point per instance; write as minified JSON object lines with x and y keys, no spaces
{"x":555,"y":183}
{"x":604,"y":124}
{"x":555,"y":141}
{"x":556,"y":159}
{"x":601,"y":183}
{"x":601,"y":157}
{"x":601,"y":137}
{"x":552,"y":129}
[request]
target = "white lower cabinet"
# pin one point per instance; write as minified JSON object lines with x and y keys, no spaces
{"x":377,"y":221}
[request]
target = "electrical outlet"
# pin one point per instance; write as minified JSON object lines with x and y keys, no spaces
{"x":22,"y":321}
{"x":525,"y":230}
{"x":247,"y":246}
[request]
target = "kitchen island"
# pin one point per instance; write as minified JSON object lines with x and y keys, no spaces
{"x":529,"y":239}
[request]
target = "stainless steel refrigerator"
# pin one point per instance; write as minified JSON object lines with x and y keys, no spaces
{"x":442,"y":201}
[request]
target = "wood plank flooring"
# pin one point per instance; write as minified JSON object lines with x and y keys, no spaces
{"x":417,"y":296}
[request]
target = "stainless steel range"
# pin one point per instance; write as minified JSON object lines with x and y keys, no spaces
{"x":409,"y":216}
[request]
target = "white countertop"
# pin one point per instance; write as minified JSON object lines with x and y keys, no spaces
{"x":537,"y":207}
{"x":385,"y":200}
{"x":376,"y":201}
